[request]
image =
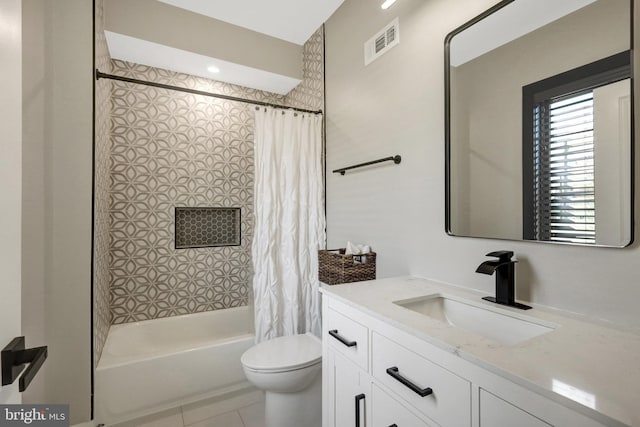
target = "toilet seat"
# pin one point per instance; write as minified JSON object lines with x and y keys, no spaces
{"x":284,"y":354}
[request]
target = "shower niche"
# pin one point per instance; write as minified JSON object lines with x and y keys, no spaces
{"x":203,"y":227}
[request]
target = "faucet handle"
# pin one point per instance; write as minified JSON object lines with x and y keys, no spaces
{"x":504,"y":256}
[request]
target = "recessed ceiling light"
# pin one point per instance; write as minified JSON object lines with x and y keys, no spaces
{"x":213,"y":69}
{"x":387,"y":4}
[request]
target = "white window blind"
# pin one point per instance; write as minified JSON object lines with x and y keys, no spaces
{"x":564,"y":193}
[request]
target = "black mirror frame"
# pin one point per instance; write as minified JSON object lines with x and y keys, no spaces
{"x":447,"y":129}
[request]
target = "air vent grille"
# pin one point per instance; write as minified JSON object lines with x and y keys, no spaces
{"x":391,"y":35}
{"x":382,"y":42}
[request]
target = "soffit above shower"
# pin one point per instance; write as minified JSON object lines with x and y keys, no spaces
{"x":156,"y":55}
{"x":291,"y":20}
{"x":158,"y":34}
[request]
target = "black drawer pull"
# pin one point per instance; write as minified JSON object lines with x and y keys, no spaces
{"x":393,"y":425}
{"x":334,"y":333}
{"x":358,"y":399}
{"x":393,"y":371}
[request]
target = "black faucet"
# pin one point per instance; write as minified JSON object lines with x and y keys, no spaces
{"x":504,"y":267}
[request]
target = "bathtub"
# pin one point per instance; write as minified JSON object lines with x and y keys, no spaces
{"x":159,"y":364}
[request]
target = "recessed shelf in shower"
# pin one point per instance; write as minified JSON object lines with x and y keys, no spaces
{"x":200,"y":227}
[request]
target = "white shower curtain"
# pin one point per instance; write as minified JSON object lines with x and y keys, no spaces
{"x":289,"y":222}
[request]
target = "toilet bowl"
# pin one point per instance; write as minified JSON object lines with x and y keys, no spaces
{"x":288,"y":370}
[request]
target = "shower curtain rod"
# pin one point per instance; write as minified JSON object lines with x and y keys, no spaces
{"x":101,"y":75}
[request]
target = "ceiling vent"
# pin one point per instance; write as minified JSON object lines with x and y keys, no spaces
{"x":382,"y":42}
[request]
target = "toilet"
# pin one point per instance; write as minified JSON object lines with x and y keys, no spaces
{"x":288,"y":369}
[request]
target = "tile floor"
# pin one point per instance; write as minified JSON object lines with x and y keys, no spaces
{"x":246,"y":410}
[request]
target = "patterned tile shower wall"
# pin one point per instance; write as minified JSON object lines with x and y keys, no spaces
{"x":101,"y":314}
{"x":172,"y":149}
{"x":310,"y":93}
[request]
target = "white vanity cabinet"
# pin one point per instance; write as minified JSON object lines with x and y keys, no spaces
{"x":378,"y":375}
{"x":346,"y":384}
{"x":352,"y":395}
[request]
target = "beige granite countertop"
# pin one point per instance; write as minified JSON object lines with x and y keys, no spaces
{"x":595,"y":365}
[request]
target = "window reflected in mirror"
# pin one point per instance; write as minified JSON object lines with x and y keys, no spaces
{"x":566,"y":134}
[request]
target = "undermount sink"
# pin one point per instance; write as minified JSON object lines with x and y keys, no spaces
{"x":498,"y":325}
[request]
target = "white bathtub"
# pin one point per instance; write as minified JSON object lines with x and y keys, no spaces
{"x":163,"y":363}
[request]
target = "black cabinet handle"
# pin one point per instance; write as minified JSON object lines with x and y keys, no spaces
{"x":393,"y":371}
{"x":334,"y":333}
{"x":359,"y":397}
{"x":393,"y":425}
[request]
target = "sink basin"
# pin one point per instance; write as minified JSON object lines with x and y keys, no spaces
{"x":498,"y":325}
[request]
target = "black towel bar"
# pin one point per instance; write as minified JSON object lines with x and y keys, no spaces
{"x":396,"y":159}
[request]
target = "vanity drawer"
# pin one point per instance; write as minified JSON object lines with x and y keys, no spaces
{"x":495,"y":411}
{"x":448,"y":402}
{"x":348,"y":337}
{"x":387,"y":411}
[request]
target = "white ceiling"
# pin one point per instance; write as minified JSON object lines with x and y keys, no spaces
{"x":509,"y":23}
{"x":291,"y":20}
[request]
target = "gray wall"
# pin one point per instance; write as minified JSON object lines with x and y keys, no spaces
{"x":57,"y":145}
{"x":33,"y":179}
{"x":10,"y":180}
{"x":395,"y":106}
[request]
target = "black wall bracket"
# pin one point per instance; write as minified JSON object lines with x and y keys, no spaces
{"x":15,"y":356}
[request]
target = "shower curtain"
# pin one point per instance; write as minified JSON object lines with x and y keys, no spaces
{"x":289,"y":222}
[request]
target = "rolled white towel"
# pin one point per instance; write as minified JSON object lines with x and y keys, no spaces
{"x":354,"y":249}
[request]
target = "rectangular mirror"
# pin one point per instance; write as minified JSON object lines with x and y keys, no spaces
{"x":539,"y":123}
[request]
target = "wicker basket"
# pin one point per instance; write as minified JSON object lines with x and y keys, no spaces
{"x":336,"y":267}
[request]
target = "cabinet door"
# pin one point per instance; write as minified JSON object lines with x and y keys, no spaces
{"x":347,"y":337}
{"x":351,"y":394}
{"x":495,"y":412}
{"x":387,"y":411}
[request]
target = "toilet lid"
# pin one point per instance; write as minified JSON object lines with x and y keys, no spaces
{"x":283,"y":353}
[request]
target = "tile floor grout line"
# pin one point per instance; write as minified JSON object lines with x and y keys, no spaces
{"x":182,"y":416}
{"x":183,"y":422}
{"x":242,"y":419}
{"x":219,"y":415}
